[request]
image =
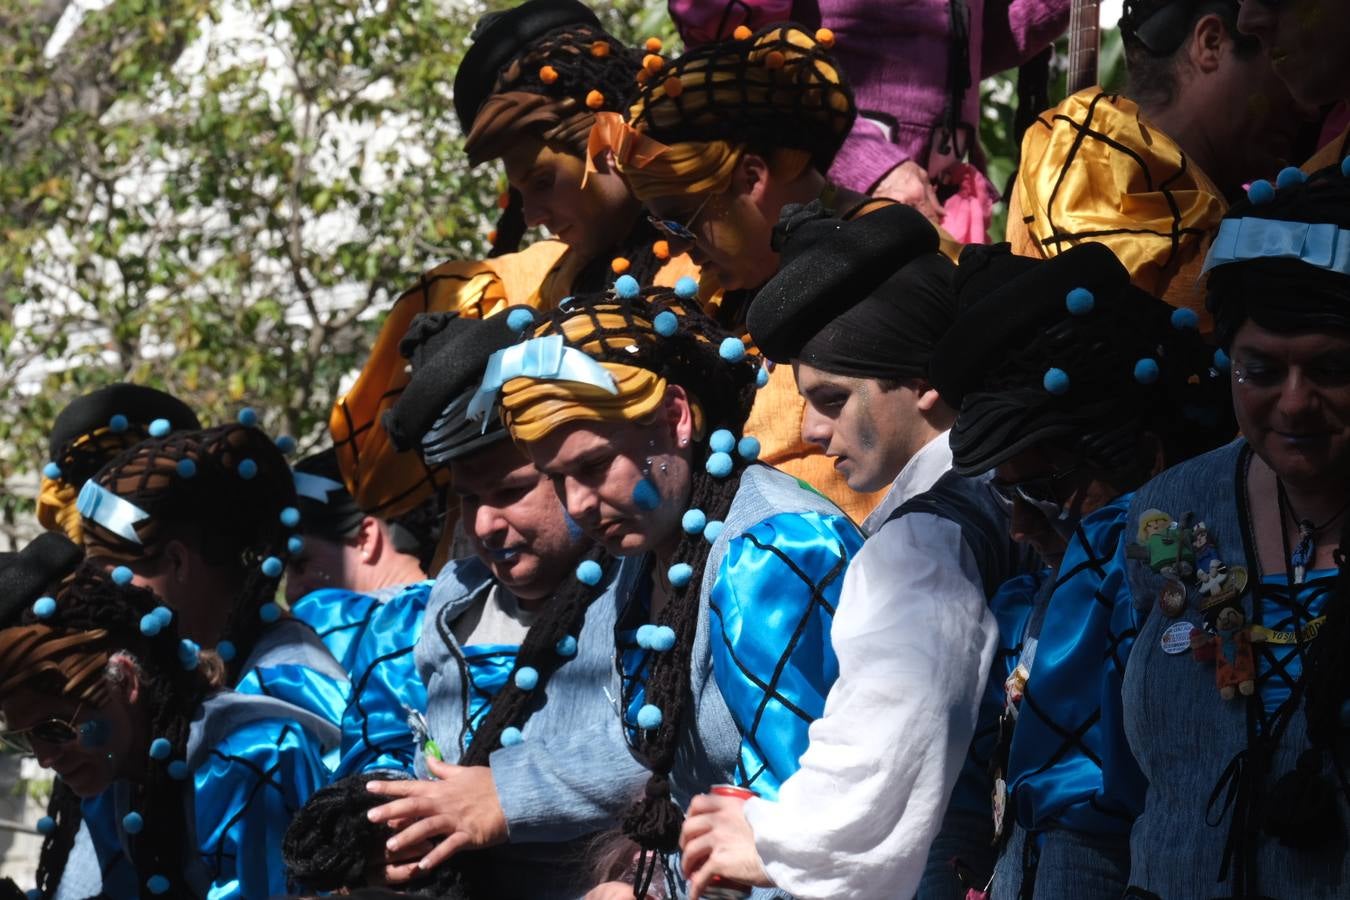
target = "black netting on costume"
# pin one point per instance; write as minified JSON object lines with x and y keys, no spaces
{"x":582,"y":58}
{"x":778,"y":88}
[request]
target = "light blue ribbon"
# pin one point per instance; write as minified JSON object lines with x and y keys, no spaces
{"x":98,"y":504}
{"x":1322,"y":245}
{"x":315,"y":487}
{"x":547,"y":359}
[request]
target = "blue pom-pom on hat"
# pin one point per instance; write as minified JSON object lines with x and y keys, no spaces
{"x":731,"y":349}
{"x":1056,"y":381}
{"x":1080,"y":301}
{"x":247,"y":416}
{"x":164,"y":614}
{"x":748,"y":448}
{"x":290,"y":517}
{"x":269,"y":612}
{"x":693,"y":521}
{"x":157,"y":884}
{"x":189,"y":653}
{"x":680,"y":574}
{"x":272,"y":567}
{"x":666,"y":323}
{"x":686,"y":288}
{"x":52,"y":471}
{"x":118,"y":423}
{"x":589,"y":572}
{"x":286,"y":444}
{"x":46,"y":825}
{"x":519,"y":319}
{"x":294,"y":544}
{"x":761,"y":377}
{"x":662,"y":639}
{"x":511,"y":736}
{"x":713,"y":531}
{"x":1290,"y":176}
{"x":186,"y":468}
{"x":150,"y":625}
{"x":566,"y":646}
{"x":247,"y":469}
{"x":159,"y":428}
{"x":722,"y":441}
{"x":160,"y":748}
{"x":121,"y":575}
{"x":225,"y":650}
{"x":1185,"y":320}
{"x":649,"y":716}
{"x":627,"y":287}
{"x":1261,"y":192}
{"x":719,"y":465}
{"x":644,"y":636}
{"x":132,"y":823}
{"x":527,"y":678}
{"x":44,"y":607}
{"x":1146,"y":371}
{"x":178,"y":770}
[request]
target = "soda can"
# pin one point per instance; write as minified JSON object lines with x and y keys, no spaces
{"x":724,"y":888}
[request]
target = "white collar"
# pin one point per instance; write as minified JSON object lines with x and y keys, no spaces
{"x":922,"y":471}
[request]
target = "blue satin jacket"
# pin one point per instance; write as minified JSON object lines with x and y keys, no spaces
{"x":340,"y":618}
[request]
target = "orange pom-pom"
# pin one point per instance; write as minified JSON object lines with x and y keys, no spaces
{"x":642,"y":76}
{"x":595,"y":99}
{"x":774,"y":59}
{"x":653,"y":45}
{"x":492,"y":236}
{"x":548,"y":74}
{"x":742,"y":33}
{"x":619,"y":265}
{"x":825,"y":37}
{"x":600,"y":49}
{"x":653,"y":63}
{"x":503,"y":199}
{"x":674,"y":86}
{"x":661,"y":249}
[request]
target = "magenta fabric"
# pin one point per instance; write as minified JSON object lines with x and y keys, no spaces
{"x":895,"y":53}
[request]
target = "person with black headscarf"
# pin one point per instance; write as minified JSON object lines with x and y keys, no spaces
{"x":857,"y":308}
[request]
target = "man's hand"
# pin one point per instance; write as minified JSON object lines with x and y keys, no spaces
{"x":461,"y":809}
{"x":908,"y":183}
{"x":717,"y":840}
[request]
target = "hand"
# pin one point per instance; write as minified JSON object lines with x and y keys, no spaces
{"x":908,"y":183}
{"x":610,"y":890}
{"x":717,"y":840}
{"x":462,"y":808}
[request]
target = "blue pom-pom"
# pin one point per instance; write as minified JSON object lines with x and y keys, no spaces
{"x":44,"y":607}
{"x":1185,"y":320}
{"x":527,"y":678}
{"x":645,"y":494}
{"x":589,"y":572}
{"x":1261,"y":192}
{"x":118,"y":424}
{"x":1345,"y":167}
{"x":1056,"y":381}
{"x":713,"y":531}
{"x":719,"y":465}
{"x":519,"y":319}
{"x":686,"y":288}
{"x":649,"y":716}
{"x":33,"y":894}
{"x":662,"y":639}
{"x":666,"y":323}
{"x":722,"y":441}
{"x":272,"y":567}
{"x":188,"y":653}
{"x":247,"y":469}
{"x":157,"y":884}
{"x":762,"y":377}
{"x":159,"y":428}
{"x":748,"y":448}
{"x":644,"y":636}
{"x":1080,"y":301}
{"x":731,"y":349}
{"x":150,"y":625}
{"x":1221,"y":361}
{"x":186,"y":468}
{"x":46,"y":825}
{"x":132,"y":823}
{"x":225,"y":650}
{"x":248,"y":416}
{"x":164,"y":614}
{"x":269,"y":612}
{"x":178,"y":770}
{"x":1290,"y":176}
{"x":121,"y":575}
{"x":693,"y":521}
{"x":511,"y":736}
{"x":290,"y":517}
{"x":286,"y":444}
{"x":680,"y":574}
{"x":160,"y":748}
{"x":626,"y":286}
{"x":566,"y":646}
{"x":294,"y":544}
{"x":51,"y":470}
{"x":1146,"y":371}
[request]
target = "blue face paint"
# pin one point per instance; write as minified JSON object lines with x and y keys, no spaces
{"x":646,"y":496}
{"x":574,"y":532}
{"x":94,"y":732}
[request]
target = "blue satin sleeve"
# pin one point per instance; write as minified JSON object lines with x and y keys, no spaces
{"x":246,"y":792}
{"x":1011,"y":605}
{"x":772,"y":607}
{"x":340,"y":618}
{"x":300,"y":686}
{"x":386,"y":692}
{"x":1069,"y":765}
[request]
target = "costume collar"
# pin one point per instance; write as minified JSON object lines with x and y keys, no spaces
{"x":918,"y":476}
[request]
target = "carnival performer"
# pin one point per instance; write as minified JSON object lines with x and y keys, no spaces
{"x":527,"y":93}
{"x":89,"y":432}
{"x":1074,"y":387}
{"x":506,"y":700}
{"x":1150,"y":173}
{"x":1305,"y":40}
{"x":349,"y":564}
{"x":857,"y":308}
{"x":100,"y":685}
{"x":1233,"y":697}
{"x":633,"y":403}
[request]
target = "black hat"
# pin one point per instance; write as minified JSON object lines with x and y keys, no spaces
{"x":448,"y":354}
{"x":138,"y":404}
{"x":499,"y":38}
{"x":327,"y":510}
{"x":33,"y":571}
{"x":868,"y":297}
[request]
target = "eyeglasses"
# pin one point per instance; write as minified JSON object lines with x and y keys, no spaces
{"x":1045,"y":493}
{"x":677,"y":231}
{"x":48,"y":731}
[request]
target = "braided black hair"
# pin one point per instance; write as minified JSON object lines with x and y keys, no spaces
{"x":226,"y":490}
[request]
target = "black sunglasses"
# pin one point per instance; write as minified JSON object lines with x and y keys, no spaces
{"x":1044,"y":493}
{"x":48,"y":731}
{"x":677,"y":230}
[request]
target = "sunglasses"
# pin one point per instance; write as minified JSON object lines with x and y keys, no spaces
{"x":1045,"y":493}
{"x":676,"y":230}
{"x":52,"y":731}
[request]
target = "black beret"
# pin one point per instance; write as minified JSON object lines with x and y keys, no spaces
{"x":499,"y":38}
{"x":141,"y":405}
{"x":33,"y":571}
{"x":827,"y":266}
{"x":335,"y":516}
{"x":448,"y":354}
